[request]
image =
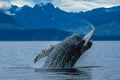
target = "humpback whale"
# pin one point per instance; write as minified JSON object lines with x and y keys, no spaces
{"x":66,"y":53}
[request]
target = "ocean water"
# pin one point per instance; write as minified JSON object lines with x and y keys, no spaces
{"x":101,"y":62}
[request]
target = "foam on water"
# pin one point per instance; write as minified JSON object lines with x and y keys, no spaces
{"x":40,"y":63}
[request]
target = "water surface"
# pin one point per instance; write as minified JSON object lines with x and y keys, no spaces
{"x":101,"y":62}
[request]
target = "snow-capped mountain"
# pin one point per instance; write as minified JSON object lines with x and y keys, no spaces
{"x":105,"y":20}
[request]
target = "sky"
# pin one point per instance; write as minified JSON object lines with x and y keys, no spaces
{"x":66,"y":5}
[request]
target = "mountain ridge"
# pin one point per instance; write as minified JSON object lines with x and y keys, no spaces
{"x":105,"y":20}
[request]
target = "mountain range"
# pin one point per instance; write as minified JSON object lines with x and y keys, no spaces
{"x":44,"y":17}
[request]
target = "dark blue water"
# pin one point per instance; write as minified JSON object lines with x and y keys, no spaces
{"x":101,"y":62}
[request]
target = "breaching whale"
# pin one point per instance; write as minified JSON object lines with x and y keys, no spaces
{"x":66,"y":53}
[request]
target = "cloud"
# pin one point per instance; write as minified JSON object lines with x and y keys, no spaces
{"x":4,"y":4}
{"x":85,"y":5}
{"x":21,"y":3}
{"x":66,"y":5}
{"x":75,"y":6}
{"x":44,"y":1}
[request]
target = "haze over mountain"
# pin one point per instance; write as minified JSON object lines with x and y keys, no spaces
{"x":105,"y":20}
{"x":7,"y":22}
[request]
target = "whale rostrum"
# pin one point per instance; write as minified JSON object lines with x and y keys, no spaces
{"x":66,"y":53}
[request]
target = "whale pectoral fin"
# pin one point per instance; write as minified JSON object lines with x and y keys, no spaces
{"x":88,"y":36}
{"x":44,"y":53}
{"x":39,"y":56}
